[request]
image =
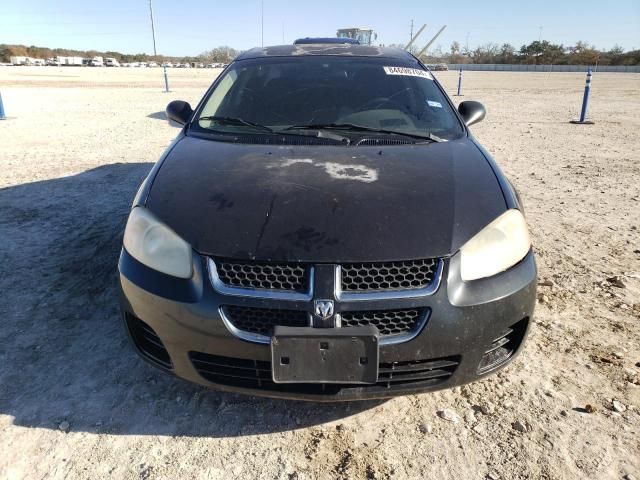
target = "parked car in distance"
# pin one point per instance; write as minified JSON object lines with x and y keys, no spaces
{"x":438,"y":67}
{"x":111,"y":62}
{"x":326,"y":227}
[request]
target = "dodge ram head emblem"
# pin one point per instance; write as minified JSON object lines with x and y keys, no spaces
{"x":323,"y":309}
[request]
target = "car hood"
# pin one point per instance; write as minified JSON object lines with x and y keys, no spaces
{"x":325,"y":203}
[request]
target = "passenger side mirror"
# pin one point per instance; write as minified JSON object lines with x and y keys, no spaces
{"x":179,"y":111}
{"x":471,"y":112}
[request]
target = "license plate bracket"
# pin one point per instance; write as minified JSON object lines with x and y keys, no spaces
{"x":325,"y":355}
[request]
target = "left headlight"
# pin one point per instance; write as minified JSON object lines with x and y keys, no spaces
{"x":497,"y":247}
{"x":157,"y":246}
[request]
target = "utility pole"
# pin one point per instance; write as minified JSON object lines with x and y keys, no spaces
{"x":262,"y":23}
{"x":411,"y":32}
{"x":153,"y":29}
{"x":540,"y":34}
{"x":155,"y":52}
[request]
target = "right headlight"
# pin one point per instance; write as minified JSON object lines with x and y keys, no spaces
{"x":495,"y":248}
{"x":157,"y":246}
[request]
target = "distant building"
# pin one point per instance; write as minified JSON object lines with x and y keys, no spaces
{"x":18,"y":60}
{"x":364,"y":35}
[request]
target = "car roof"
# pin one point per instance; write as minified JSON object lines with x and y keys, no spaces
{"x":346,"y":50}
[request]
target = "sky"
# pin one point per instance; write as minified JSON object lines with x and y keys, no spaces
{"x":189,"y":28}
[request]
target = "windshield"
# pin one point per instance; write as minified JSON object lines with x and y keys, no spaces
{"x":310,"y":94}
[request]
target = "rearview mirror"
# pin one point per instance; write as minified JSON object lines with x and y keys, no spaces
{"x":471,"y":112}
{"x":179,"y":111}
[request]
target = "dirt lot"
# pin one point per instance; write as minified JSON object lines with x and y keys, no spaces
{"x":76,"y":402}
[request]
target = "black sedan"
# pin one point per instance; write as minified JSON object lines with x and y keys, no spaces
{"x":325,"y":227}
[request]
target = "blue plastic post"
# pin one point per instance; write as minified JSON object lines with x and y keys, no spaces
{"x":585,"y":101}
{"x":459,"y":83}
{"x":166,"y":80}
{"x":585,"y":98}
{"x":2,"y":116}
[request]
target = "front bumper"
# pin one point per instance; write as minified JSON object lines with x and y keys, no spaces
{"x":466,"y":321}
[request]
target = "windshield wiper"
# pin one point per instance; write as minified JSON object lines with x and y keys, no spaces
{"x":361,"y":128}
{"x":237,"y":121}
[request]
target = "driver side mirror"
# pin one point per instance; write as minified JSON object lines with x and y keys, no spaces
{"x":472,"y":112}
{"x":179,"y":111}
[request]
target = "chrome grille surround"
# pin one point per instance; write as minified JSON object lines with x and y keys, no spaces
{"x":387,"y":276}
{"x":241,"y":291}
{"x":388,"y":308}
{"x":265,"y":276}
{"x":428,"y":289}
{"x":254,"y":324}
{"x":395,"y":325}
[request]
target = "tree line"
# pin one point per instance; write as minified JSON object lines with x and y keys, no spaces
{"x":217,"y":55}
{"x":537,"y":52}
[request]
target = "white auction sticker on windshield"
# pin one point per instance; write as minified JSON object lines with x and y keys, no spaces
{"x":411,"y":72}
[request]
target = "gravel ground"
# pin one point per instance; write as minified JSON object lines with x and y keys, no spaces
{"x":76,"y":401}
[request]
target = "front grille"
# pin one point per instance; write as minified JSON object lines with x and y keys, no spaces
{"x":268,"y":276}
{"x":262,"y":320}
{"x":503,"y":347}
{"x":148,"y":342}
{"x":354,"y":277}
{"x":279,"y":284}
{"x":388,"y":322}
{"x":416,"y":371}
{"x":256,"y":374}
{"x":388,"y":276}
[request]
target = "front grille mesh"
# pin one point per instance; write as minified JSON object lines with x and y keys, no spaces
{"x":388,"y":322}
{"x":262,"y":320}
{"x":270,"y":276}
{"x":388,"y":276}
{"x":257,"y":374}
{"x":396,"y":322}
{"x":355,"y":277}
